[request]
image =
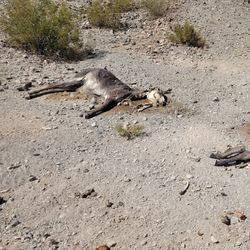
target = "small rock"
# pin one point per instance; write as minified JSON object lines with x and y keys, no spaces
{"x":53,"y":242}
{"x":238,"y":243}
{"x":77,"y":194}
{"x":2,"y":200}
{"x":15,"y":165}
{"x":90,"y":192}
{"x":189,"y":176}
{"x":32,"y":178}
{"x":109,"y":204}
{"x":226,"y":220}
{"x":234,"y":220}
{"x":144,"y":243}
{"x":111,"y":243}
{"x":13,"y":223}
{"x":216,"y":99}
{"x":94,"y":125}
{"x":214,"y":240}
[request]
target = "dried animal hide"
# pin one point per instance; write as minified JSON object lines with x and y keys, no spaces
{"x":232,"y":156}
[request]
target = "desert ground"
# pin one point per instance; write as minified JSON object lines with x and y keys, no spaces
{"x":71,"y":183}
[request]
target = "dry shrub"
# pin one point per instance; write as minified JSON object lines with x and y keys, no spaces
{"x":129,"y":130}
{"x":108,"y":15}
{"x":44,"y":27}
{"x":157,"y":8}
{"x":186,"y":34}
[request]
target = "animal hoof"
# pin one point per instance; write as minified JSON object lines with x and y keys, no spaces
{"x":88,"y":116}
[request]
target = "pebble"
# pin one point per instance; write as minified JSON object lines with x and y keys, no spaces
{"x":94,"y":125}
{"x":2,"y":200}
{"x":226,"y":220}
{"x":15,"y":165}
{"x":214,"y":240}
{"x":32,"y":178}
{"x":109,"y":204}
{"x":14,"y":223}
{"x":189,"y":176}
{"x":89,"y":192}
{"x":111,"y":243}
{"x":238,"y":243}
{"x":234,"y":220}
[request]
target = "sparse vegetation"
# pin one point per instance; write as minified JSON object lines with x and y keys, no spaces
{"x":186,"y":34}
{"x":108,"y":15}
{"x":129,"y":130}
{"x":123,"y":5}
{"x":156,"y":8}
{"x":44,"y":27}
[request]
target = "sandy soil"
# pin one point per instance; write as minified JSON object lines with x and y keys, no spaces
{"x":50,"y":155}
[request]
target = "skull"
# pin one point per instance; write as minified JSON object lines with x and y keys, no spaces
{"x":157,"y":97}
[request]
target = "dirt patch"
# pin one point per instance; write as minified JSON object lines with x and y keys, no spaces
{"x":173,"y":107}
{"x":14,"y":124}
{"x":245,"y":129}
{"x":66,"y":96}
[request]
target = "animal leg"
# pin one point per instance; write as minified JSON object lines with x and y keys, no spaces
{"x":107,"y":105}
{"x":228,"y":153}
{"x":60,"y":87}
{"x":242,"y":157}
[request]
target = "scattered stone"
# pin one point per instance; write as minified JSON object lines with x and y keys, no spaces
{"x":216,"y":99}
{"x":77,"y":194}
{"x":32,"y":178}
{"x":54,"y":243}
{"x":225,"y":220}
{"x":94,"y":125}
{"x":238,"y":243}
{"x":234,"y":220}
{"x":109,"y":204}
{"x":189,"y":176}
{"x":25,"y":87}
{"x":144,"y":243}
{"x":200,"y":233}
{"x":15,"y":165}
{"x":89,"y":192}
{"x":15,"y":222}
{"x":2,"y":200}
{"x":214,"y":240}
{"x":111,"y":243}
{"x":85,"y":170}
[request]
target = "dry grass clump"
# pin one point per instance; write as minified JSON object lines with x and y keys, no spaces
{"x":108,"y":15}
{"x":44,"y":27}
{"x":157,"y":8}
{"x":186,"y":34}
{"x":128,"y":130}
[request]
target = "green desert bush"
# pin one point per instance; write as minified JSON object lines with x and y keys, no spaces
{"x":103,"y":15}
{"x":129,"y":130}
{"x":123,"y":5}
{"x":156,"y":8}
{"x":186,"y":34}
{"x":108,"y":15}
{"x":44,"y":27}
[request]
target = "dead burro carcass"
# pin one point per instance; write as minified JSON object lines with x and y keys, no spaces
{"x":102,"y":83}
